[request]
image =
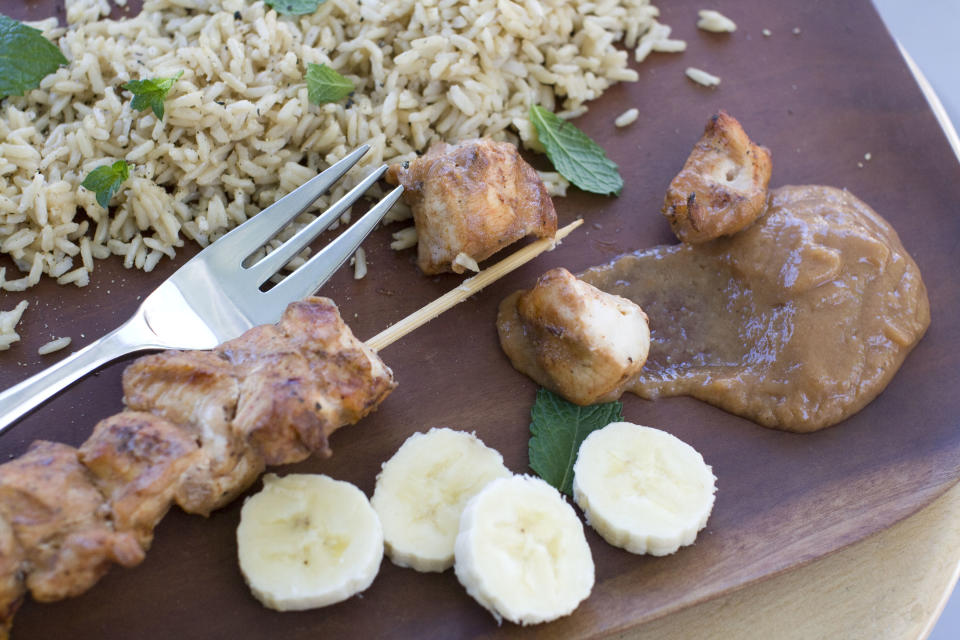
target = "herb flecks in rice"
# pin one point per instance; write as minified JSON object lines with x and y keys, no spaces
{"x":239,"y":131}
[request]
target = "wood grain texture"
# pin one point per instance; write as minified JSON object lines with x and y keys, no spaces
{"x":819,"y":100}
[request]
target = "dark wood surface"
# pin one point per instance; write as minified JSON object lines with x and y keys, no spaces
{"x":819,"y":100}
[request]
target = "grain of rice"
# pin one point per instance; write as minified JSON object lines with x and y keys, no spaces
{"x":399,"y":212}
{"x":404,"y":239}
{"x":8,"y":324}
{"x":670,"y":46}
{"x":359,"y":264}
{"x":656,"y":34}
{"x":715,"y":21}
{"x":151,"y":260}
{"x":54,"y":345}
{"x":79,"y":277}
{"x":702,"y":77}
{"x":466,"y":262}
{"x":627,"y":117}
{"x":86,"y":253}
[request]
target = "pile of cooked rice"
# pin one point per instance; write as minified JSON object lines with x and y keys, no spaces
{"x":239,"y":131}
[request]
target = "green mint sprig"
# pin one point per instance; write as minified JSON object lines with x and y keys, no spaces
{"x":26,"y":57}
{"x":557,"y":429}
{"x":294,"y":7}
{"x":326,"y":85}
{"x":105,"y":181}
{"x":150,"y":93}
{"x":578,"y":158}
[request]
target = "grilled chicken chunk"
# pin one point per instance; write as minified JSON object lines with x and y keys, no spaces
{"x":572,"y":338}
{"x":475,"y":197}
{"x":198,"y":391}
{"x":202,"y":426}
{"x":302,"y":380}
{"x":136,"y":460}
{"x":12,"y":567}
{"x":61,"y":522}
{"x":272,"y":396}
{"x":722,"y":188}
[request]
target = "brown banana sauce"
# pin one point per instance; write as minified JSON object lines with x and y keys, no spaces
{"x":796,"y":322}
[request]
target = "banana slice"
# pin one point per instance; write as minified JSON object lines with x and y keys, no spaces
{"x":422,"y":490}
{"x":307,"y":541}
{"x":521,"y":551}
{"x":643,"y":489}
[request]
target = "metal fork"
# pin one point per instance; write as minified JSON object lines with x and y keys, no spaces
{"x":215,"y":297}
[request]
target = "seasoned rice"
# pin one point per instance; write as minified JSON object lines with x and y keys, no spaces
{"x":359,"y":264}
{"x":54,"y":345}
{"x":404,"y":239}
{"x":555,"y":183}
{"x":715,"y":21}
{"x":702,"y":77}
{"x":239,"y":132}
{"x":8,"y":325}
{"x":626,"y":118}
{"x":466,"y":262}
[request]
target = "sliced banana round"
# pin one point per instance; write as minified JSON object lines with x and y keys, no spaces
{"x":643,"y":489}
{"x":421,"y":492}
{"x":307,"y":541}
{"x":521,"y":551}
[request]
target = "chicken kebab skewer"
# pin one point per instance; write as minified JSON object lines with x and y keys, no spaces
{"x":198,"y":429}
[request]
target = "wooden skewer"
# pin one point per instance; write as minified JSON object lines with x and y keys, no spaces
{"x":467,"y":288}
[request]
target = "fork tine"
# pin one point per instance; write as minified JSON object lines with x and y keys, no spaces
{"x":318,"y":269}
{"x":275,"y":260}
{"x":253,"y":233}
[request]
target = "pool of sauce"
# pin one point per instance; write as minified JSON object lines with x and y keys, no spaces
{"x":795,"y":323}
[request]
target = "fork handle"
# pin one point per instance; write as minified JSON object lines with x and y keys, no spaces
{"x":133,"y":335}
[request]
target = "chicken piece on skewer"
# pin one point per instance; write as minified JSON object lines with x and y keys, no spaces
{"x":12,"y":568}
{"x":722,"y":188}
{"x":474,"y":198}
{"x":303,"y":379}
{"x":199,"y":392}
{"x":137,"y":459}
{"x":61,"y":522}
{"x":272,"y":396}
{"x":572,"y":338}
{"x":208,"y":423}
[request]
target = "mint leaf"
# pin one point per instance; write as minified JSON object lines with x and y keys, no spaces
{"x":150,"y":93}
{"x":105,"y":181}
{"x":294,"y":7}
{"x":558,"y":428}
{"x":26,"y":57}
{"x":326,"y":85}
{"x":578,"y":158}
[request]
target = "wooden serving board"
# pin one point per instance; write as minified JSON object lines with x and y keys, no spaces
{"x":820,"y":100}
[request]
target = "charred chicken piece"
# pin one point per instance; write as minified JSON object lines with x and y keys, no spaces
{"x":475,"y":198}
{"x":302,"y":380}
{"x":208,"y":423}
{"x":12,"y":568}
{"x":572,"y":338}
{"x":722,"y":188}
{"x":61,"y":522}
{"x":198,"y":391}
{"x":136,"y":460}
{"x":272,"y":396}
